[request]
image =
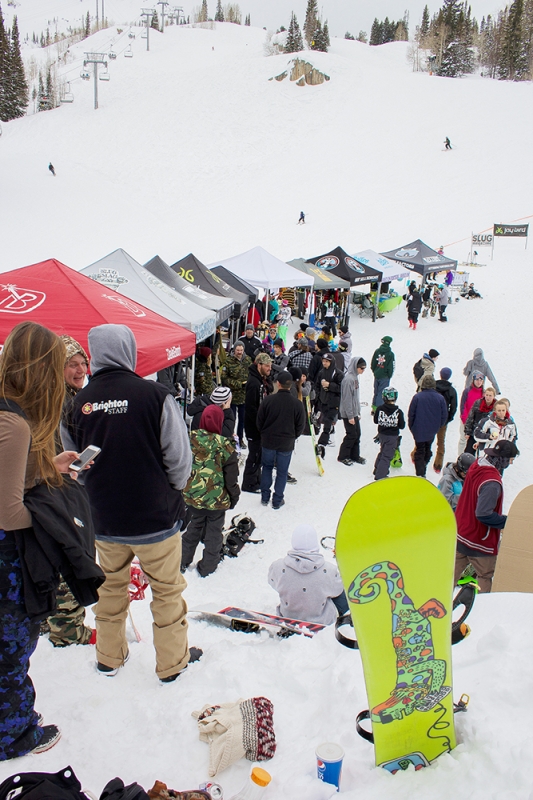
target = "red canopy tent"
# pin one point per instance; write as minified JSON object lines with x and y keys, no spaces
{"x":66,"y":302}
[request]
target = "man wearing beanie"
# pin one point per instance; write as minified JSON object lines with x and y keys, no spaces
{"x":211,"y":489}
{"x":235,"y":376}
{"x":427,"y":413}
{"x":259,"y":385}
{"x":444,"y":388}
{"x":280,"y":420}
{"x":309,"y":587}
{"x":67,"y":624}
{"x":425,"y":366}
{"x":221,"y":396}
{"x":250,"y":341}
{"x":382,"y":366}
{"x":479,"y":513}
{"x":135,"y":491}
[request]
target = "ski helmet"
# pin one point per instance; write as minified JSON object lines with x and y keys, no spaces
{"x":465,"y":461}
{"x":389,"y":393}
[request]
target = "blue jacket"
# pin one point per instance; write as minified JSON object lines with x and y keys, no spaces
{"x":427,"y":413}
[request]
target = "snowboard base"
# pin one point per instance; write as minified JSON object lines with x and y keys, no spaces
{"x":240,"y":619}
{"x":514,"y":567}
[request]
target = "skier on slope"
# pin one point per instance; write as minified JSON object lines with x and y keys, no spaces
{"x":447,"y":143}
{"x":301,"y":218}
{"x":52,"y":169}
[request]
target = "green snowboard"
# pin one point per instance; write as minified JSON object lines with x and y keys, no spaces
{"x":395,"y":549}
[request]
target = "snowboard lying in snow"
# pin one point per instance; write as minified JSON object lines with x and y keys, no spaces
{"x":395,"y":550}
{"x":240,"y":619}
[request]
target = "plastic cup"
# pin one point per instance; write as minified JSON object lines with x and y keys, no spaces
{"x":329,"y":758}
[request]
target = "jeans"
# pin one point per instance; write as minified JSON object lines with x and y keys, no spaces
{"x":280,"y":460}
{"x":239,"y":416}
{"x":379,"y":385}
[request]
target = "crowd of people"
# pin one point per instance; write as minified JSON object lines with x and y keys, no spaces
{"x":267,"y":397}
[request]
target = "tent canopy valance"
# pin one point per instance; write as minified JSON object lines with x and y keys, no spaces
{"x":237,"y":283}
{"x":62,"y":299}
{"x":323,"y":280}
{"x":260,"y":268}
{"x":421,"y":258}
{"x":344,"y":266}
{"x":192,"y":270}
{"x":220,"y":305}
{"x":120,"y":272}
{"x":391,"y":270}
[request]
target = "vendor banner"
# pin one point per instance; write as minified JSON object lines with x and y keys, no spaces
{"x":511,"y":230}
{"x":482,"y":239}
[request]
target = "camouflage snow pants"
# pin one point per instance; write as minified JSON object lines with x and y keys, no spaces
{"x":19,"y":732}
{"x":67,"y":624}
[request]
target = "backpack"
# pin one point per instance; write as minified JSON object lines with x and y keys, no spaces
{"x":62,"y":785}
{"x":237,"y":535}
{"x":418,"y":370}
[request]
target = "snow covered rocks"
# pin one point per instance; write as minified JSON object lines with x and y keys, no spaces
{"x":302,"y":72}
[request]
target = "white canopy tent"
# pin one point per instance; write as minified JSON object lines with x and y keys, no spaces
{"x":124,"y":275}
{"x":392,"y":270}
{"x":260,"y":268}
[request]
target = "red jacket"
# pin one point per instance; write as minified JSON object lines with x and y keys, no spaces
{"x":470,"y":531}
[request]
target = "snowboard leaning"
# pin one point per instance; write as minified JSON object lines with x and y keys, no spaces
{"x":514,"y":567}
{"x":395,"y":549}
{"x":240,"y":619}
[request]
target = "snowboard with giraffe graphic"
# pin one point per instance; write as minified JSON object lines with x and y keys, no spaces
{"x":395,"y":548}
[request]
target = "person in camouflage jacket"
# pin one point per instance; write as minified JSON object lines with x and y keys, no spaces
{"x":211,"y":489}
{"x":203,"y":375}
{"x":234,"y":376}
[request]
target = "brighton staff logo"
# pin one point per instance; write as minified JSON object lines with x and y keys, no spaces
{"x":107,"y":406}
{"x":14,"y":300}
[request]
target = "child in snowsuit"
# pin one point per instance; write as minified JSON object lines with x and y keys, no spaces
{"x":390,"y":421}
{"x":309,"y":587}
{"x":211,"y":489}
{"x":453,"y":475}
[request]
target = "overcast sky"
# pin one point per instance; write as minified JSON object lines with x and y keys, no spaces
{"x":348,"y":15}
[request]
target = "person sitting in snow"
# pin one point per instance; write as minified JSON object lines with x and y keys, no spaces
{"x":310,"y":588}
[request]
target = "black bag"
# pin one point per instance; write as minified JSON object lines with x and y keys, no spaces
{"x":62,"y":785}
{"x":418,"y":370}
{"x":238,"y":535}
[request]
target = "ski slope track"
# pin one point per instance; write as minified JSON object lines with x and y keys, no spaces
{"x":192,"y":148}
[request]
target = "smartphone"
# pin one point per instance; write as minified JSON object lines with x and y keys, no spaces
{"x":89,"y":454}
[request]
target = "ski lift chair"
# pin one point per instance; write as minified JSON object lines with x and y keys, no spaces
{"x":112,"y":55}
{"x":84,"y":75}
{"x":131,"y":35}
{"x":66,"y":96}
{"x":105,"y":76}
{"x":128,"y":53}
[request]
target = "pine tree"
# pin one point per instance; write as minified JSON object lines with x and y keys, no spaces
{"x":219,"y":13}
{"x":42,"y":99}
{"x":247,"y":20}
{"x":512,"y":64}
{"x":18,"y":83}
{"x":424,"y":26}
{"x":4,"y":68}
{"x":310,"y":24}
{"x":154,"y":22}
{"x":204,"y":13}
{"x":327,"y":41}
{"x":348,"y":35}
{"x":294,"y":36}
{"x":376,"y":32}
{"x":87,"y":30}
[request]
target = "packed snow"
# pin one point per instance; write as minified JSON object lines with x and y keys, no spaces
{"x":193,"y":149}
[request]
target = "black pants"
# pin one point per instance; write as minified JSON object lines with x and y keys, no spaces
{"x":350,"y":443}
{"x":251,"y":479}
{"x":328,"y":418}
{"x":389,"y":445}
{"x":422,"y":457}
{"x":204,"y":526}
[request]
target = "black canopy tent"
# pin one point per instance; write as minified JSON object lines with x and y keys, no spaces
{"x":192,"y":270}
{"x":216,"y":303}
{"x":340,"y":263}
{"x":421,"y":258}
{"x":236,"y":282}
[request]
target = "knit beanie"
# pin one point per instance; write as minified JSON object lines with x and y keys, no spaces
{"x":445,"y":373}
{"x":212,"y":419}
{"x":310,"y":332}
{"x":220,"y":395}
{"x":433,"y":353}
{"x":387,"y":339}
{"x":305,"y":537}
{"x":476,"y":375}
{"x":204,"y":352}
{"x":73,"y":348}
{"x":244,"y":729}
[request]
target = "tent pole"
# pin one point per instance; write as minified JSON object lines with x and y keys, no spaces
{"x":267,"y":300}
{"x":376,"y":307}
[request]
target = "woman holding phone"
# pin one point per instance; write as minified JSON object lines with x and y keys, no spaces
{"x":32,"y":390}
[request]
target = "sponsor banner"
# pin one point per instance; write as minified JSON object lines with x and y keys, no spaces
{"x":511,"y":230}
{"x":15,"y":300}
{"x":482,"y":239}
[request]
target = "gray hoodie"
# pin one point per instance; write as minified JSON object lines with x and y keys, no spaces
{"x":306,"y":582}
{"x":350,"y":406}
{"x":478,"y":364}
{"x":114,"y":346}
